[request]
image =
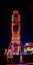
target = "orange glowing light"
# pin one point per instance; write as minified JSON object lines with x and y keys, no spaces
{"x":15,"y":12}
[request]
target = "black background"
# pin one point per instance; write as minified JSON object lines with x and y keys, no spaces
{"x":26,"y":11}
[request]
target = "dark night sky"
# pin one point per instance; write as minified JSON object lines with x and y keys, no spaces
{"x":26,"y":12}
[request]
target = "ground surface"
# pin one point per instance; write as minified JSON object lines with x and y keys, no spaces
{"x":21,"y":64}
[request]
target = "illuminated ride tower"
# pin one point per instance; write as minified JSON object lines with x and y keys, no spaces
{"x":14,"y":49}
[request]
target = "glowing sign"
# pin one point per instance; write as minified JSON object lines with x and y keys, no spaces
{"x":28,"y":49}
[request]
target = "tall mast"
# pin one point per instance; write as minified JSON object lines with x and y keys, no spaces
{"x":15,"y":27}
